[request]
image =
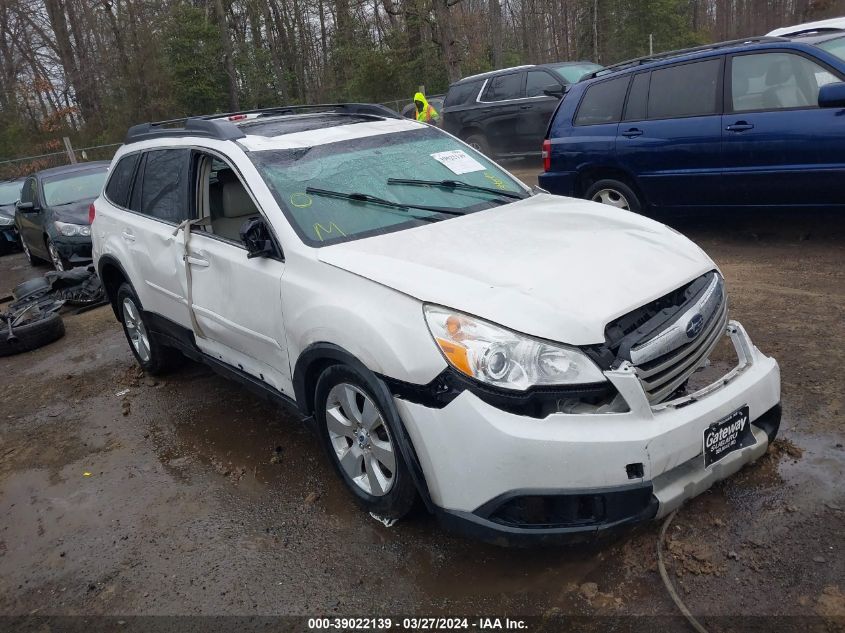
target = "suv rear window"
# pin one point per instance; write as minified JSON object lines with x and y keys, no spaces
{"x":504,"y":87}
{"x":163,"y":188}
{"x":461,"y":94}
{"x":117,"y":189}
{"x":684,"y":90}
{"x":603,"y":102}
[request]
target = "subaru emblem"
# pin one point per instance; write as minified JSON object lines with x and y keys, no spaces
{"x":694,"y":326}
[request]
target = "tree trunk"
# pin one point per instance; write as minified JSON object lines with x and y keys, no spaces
{"x":228,"y":55}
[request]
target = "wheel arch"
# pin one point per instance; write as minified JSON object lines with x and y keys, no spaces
{"x":112,"y":275}
{"x":318,"y":357}
{"x":589,"y":175}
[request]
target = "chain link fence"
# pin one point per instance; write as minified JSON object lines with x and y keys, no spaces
{"x":20,"y":167}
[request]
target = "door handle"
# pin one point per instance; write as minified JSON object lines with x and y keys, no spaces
{"x":194,"y":260}
{"x":525,"y":107}
{"x":634,"y":131}
{"x":127,"y":235}
{"x":740,"y":126}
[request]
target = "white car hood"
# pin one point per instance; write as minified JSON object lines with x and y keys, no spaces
{"x":552,"y":267}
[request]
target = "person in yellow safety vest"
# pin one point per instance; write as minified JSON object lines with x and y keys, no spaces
{"x":425,"y":112}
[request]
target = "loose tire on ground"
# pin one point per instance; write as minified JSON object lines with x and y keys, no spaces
{"x":398,"y":500}
{"x":31,"y":335}
{"x":153,"y":357}
{"x":614,"y":193}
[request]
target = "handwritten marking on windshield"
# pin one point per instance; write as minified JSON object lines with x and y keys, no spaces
{"x":301,"y":200}
{"x":495,"y":180}
{"x":319,"y":229}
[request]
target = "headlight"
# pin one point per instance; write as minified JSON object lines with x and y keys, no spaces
{"x":6,"y":220}
{"x":503,"y":358}
{"x":73,"y":230}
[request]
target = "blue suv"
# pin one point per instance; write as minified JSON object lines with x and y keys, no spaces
{"x":751,"y":123}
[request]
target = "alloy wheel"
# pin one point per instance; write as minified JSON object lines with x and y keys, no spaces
{"x":136,"y":330}
{"x":360,"y":439}
{"x":55,"y":257}
{"x":27,"y":253}
{"x":611,"y":197}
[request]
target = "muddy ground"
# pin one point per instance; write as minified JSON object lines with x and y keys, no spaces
{"x":124,"y":494}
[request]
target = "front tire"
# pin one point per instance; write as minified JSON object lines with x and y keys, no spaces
{"x":614,"y":193}
{"x":359,"y":431}
{"x":153,"y":357}
{"x":59,"y":262}
{"x":32,"y":259}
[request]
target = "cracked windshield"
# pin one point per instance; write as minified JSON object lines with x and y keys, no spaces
{"x":363,"y":166}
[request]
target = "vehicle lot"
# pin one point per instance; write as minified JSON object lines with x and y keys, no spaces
{"x":200,"y":499}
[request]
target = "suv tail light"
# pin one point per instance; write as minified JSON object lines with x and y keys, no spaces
{"x":91,"y":213}
{"x":547,"y":155}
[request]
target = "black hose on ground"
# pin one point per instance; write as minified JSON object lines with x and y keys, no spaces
{"x":668,"y":583}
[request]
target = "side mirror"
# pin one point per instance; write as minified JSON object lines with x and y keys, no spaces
{"x":25,"y":207}
{"x":554,"y":90}
{"x":256,"y":237}
{"x":832,"y":95}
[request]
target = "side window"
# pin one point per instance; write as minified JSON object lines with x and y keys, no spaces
{"x":537,"y":81}
{"x":774,"y":81}
{"x":504,"y":87}
{"x":462,"y":94}
{"x":28,"y":190}
{"x":223,"y":198}
{"x":120,"y":182}
{"x":635,"y":109}
{"x":163,"y":190}
{"x":684,"y":90}
{"x":603,"y":102}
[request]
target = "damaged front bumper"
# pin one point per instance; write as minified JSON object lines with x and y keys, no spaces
{"x":511,"y":479}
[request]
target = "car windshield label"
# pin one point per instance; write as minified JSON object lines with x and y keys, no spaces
{"x":458,"y":161}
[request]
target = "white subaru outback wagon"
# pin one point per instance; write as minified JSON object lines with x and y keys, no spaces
{"x":519,"y":361}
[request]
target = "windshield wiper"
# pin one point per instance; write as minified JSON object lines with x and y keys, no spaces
{"x":456,"y":184}
{"x":365,"y":197}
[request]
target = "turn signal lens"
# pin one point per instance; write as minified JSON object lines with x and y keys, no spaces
{"x":456,"y":354}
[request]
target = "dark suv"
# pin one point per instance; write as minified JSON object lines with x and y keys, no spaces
{"x":748,"y":123}
{"x":504,"y":113}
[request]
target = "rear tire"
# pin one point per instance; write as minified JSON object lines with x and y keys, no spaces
{"x":153,"y":357}
{"x":478,"y":142}
{"x":614,"y":193}
{"x":359,"y":431}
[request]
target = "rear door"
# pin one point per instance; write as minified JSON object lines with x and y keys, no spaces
{"x":537,"y":109}
{"x":158,"y":203}
{"x":779,"y":147}
{"x":502,"y":102}
{"x":236,"y":300}
{"x":670,"y":137}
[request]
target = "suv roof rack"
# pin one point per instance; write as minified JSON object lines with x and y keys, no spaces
{"x":639,"y":61}
{"x":223,"y":126}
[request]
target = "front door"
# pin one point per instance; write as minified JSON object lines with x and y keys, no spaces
{"x":536,"y":109}
{"x":236,"y":301}
{"x":779,"y":147}
{"x":30,"y":221}
{"x":502,"y":99}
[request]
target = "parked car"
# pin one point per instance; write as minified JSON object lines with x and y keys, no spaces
{"x":10,"y":192}
{"x":750,"y":123}
{"x":505,"y":113}
{"x":52,"y":214}
{"x":819,"y":27}
{"x":450,"y":333}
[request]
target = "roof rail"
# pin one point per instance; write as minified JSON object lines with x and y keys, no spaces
{"x":222,"y":127}
{"x":193,"y":126}
{"x":638,"y":61}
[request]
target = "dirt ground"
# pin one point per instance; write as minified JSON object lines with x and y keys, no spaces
{"x":122,"y":494}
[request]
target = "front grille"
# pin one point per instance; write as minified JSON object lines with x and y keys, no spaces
{"x":662,"y":376}
{"x":668,"y":339}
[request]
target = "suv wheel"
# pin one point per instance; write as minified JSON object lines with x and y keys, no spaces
{"x":359,"y":432}
{"x":614,"y":193}
{"x":152,"y":356}
{"x":478,"y":142}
